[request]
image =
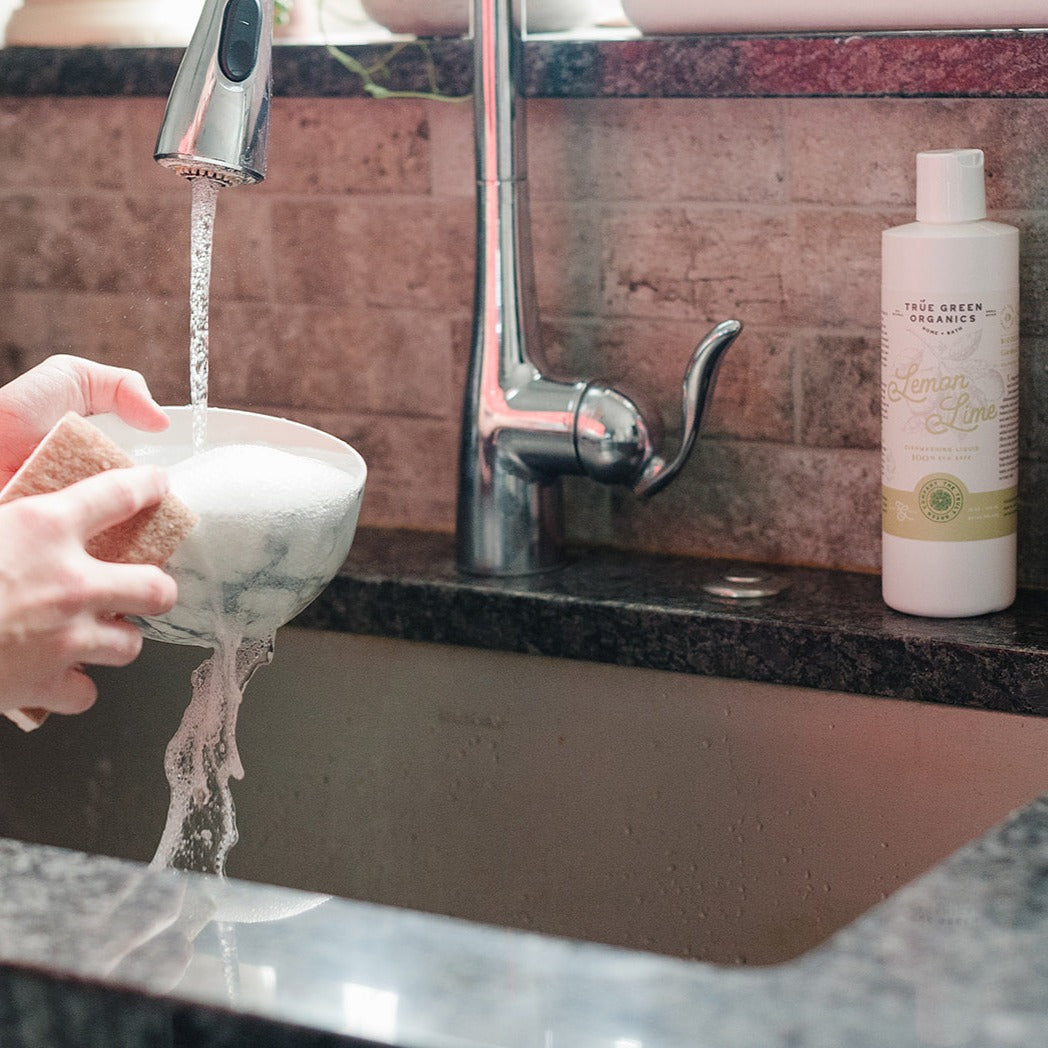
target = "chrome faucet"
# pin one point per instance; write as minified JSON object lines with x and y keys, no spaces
{"x":523,"y":430}
{"x":216,"y":124}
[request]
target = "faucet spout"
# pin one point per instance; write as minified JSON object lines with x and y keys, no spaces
{"x":217,"y":120}
{"x":521,"y":429}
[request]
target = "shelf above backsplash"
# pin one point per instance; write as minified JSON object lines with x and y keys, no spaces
{"x":976,"y":64}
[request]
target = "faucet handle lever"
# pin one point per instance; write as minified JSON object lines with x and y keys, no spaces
{"x":699,"y":378}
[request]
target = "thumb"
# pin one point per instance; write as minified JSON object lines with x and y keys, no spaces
{"x":107,"y":499}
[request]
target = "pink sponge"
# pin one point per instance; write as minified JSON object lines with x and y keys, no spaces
{"x":74,"y":450}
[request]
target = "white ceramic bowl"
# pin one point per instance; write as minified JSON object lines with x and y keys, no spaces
{"x":99,"y":23}
{"x":756,"y":16}
{"x":278,"y":504}
{"x":451,"y":17}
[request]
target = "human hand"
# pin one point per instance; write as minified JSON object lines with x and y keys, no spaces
{"x":32,"y":403}
{"x":59,"y":607}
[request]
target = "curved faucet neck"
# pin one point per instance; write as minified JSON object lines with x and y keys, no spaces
{"x":521,"y":429}
{"x":508,"y":501}
{"x":498,"y":105}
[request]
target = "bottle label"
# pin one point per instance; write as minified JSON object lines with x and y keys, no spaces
{"x":950,"y":416}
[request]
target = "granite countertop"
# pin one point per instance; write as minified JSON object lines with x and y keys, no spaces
{"x":97,"y":951}
{"x":827,"y":629}
{"x":100,"y":952}
{"x":965,"y":64}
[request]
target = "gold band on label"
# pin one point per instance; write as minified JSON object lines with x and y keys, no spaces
{"x":941,"y":509}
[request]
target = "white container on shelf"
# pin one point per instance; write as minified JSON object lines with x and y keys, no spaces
{"x":755,"y":16}
{"x":451,"y":17}
{"x":6,"y":8}
{"x":341,"y":17}
{"x":326,"y":21}
{"x":103,"y":23}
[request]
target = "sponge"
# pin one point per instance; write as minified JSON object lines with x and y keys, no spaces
{"x":74,"y":450}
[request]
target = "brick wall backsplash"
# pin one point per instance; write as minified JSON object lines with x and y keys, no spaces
{"x":342,"y":287}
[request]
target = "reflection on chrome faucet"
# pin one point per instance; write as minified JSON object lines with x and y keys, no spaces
{"x":522,"y":430}
{"x":216,"y":124}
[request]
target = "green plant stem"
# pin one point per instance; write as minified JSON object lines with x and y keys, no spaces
{"x":367,"y":73}
{"x":381,"y":67}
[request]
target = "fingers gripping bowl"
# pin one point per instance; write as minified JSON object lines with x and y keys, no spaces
{"x":277,"y":503}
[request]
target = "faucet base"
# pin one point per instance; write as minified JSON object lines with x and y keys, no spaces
{"x":510,"y":528}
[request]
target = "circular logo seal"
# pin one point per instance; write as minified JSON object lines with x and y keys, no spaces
{"x":941,"y":499}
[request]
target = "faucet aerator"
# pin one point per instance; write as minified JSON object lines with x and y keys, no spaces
{"x":194,"y":171}
{"x":216,"y":124}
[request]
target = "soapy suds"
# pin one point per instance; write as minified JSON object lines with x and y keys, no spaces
{"x":201,"y":759}
{"x":267,"y":539}
{"x":205,"y":200}
{"x":269,"y":536}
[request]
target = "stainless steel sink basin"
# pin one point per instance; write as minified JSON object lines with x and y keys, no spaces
{"x":699,"y":817}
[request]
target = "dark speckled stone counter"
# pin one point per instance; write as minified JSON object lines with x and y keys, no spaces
{"x":97,"y":952}
{"x":988,"y":64}
{"x":826,"y":630}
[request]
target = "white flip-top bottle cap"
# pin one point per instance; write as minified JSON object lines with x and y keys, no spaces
{"x":950,"y":186}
